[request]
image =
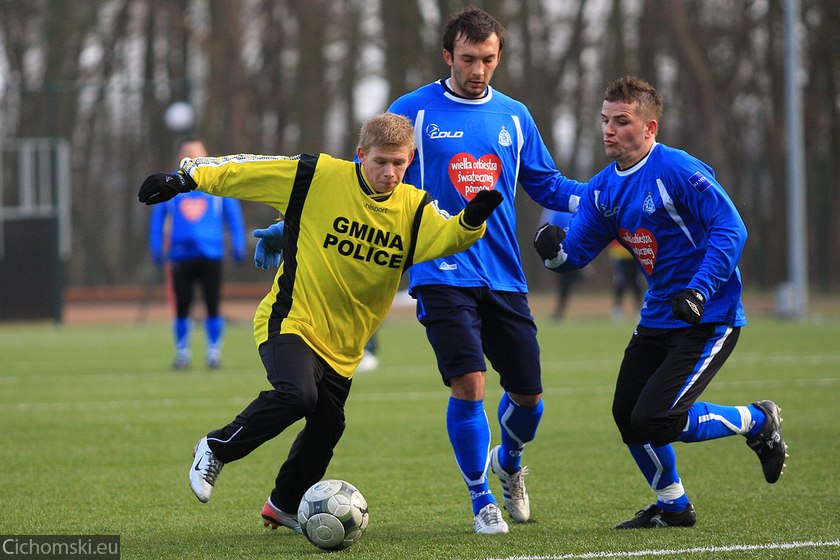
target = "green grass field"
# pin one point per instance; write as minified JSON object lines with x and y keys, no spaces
{"x":97,"y":435}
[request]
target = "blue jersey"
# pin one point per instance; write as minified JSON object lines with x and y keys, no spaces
{"x":198,"y":227}
{"x":468,"y":145}
{"x":555,"y":218}
{"x":682,"y":228}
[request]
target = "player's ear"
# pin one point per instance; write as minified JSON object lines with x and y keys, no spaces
{"x":447,"y":57}
{"x":652,"y":127}
{"x":361,"y":155}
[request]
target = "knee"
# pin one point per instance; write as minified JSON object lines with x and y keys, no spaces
{"x":302,"y":398}
{"x":621,"y":417}
{"x":468,"y":387}
{"x":529,"y":401}
{"x":655,"y":429}
{"x":335,"y":432}
{"x":642,"y":424}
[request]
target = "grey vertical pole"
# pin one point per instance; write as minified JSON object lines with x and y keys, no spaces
{"x":797,"y":242}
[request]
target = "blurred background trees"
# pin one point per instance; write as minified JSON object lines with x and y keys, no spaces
{"x":287,"y":76}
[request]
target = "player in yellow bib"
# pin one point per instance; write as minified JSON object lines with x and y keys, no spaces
{"x":351,"y":231}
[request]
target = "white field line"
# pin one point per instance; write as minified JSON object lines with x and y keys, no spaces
{"x":45,"y":369}
{"x":359,"y":395}
{"x":678,"y":552}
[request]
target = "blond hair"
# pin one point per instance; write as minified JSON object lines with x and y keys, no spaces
{"x":387,"y":129}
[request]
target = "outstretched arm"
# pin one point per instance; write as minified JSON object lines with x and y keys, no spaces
{"x":440,"y":235}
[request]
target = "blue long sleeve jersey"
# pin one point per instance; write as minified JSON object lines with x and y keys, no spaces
{"x":197,"y":229}
{"x":681,"y":227}
{"x":468,"y":145}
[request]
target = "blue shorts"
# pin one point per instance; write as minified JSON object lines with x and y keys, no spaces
{"x":464,"y":325}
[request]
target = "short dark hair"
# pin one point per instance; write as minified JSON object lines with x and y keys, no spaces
{"x":475,"y":25}
{"x":630,"y":89}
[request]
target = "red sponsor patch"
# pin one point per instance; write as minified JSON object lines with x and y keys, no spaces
{"x":643,"y":245}
{"x":193,"y":208}
{"x":470,"y":175}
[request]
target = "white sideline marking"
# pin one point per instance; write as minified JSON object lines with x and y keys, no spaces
{"x":665,"y":552}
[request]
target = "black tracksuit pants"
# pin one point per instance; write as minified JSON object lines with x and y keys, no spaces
{"x":304,"y":387}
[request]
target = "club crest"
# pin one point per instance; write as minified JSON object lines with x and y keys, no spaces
{"x":504,"y":137}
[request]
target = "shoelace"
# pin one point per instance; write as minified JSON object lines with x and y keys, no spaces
{"x":648,"y":511}
{"x":492,"y":516}
{"x":214,"y":466}
{"x":517,"y":484}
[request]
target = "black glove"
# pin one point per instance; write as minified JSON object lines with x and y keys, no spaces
{"x":547,"y":240}
{"x":688,"y":306}
{"x":481,"y":206}
{"x":160,"y":187}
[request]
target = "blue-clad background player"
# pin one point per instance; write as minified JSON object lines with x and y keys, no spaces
{"x":194,"y":245}
{"x":669,"y":211}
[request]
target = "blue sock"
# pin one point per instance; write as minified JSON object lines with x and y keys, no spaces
{"x":469,"y":433}
{"x":758,"y":420}
{"x":182,"y":334}
{"x":519,"y":426}
{"x":214,"y":326}
{"x":711,"y":421}
{"x":659,"y":466}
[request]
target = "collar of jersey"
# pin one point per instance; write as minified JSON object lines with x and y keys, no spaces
{"x":367,"y":189}
{"x":450,"y":93}
{"x":636,"y":166}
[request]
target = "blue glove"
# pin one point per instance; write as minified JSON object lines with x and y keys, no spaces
{"x":269,"y":249}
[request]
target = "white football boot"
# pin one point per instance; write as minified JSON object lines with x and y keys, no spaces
{"x":205,"y":468}
{"x":516,"y":500}
{"x":489,"y":521}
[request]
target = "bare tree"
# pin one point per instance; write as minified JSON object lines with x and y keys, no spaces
{"x":282,"y":76}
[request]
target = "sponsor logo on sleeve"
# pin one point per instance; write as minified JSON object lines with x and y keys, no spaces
{"x":440,"y":210}
{"x":699,"y":182}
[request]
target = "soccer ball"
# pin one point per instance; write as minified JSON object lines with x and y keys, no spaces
{"x":333,"y":514}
